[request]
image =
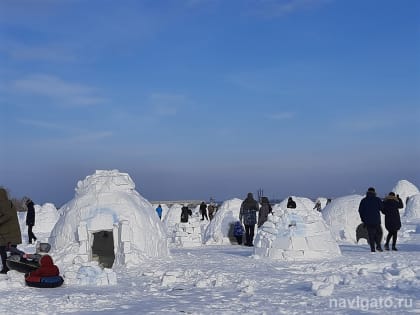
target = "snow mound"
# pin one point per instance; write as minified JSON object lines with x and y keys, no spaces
{"x":295,"y":236}
{"x":220,"y":228}
{"x":107,"y":218}
{"x":412,"y":211}
{"x":342,"y":215}
{"x":303,"y":205}
{"x":405,"y":189}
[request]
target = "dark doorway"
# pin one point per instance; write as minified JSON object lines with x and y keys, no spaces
{"x":103,"y":248}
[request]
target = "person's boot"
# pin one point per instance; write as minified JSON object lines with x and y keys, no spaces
{"x":4,"y":270}
{"x":394,"y":248}
{"x":379,"y":249}
{"x":386,"y":246}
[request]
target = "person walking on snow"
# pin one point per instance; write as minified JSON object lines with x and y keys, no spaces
{"x":248,"y":215}
{"x":264,"y":211}
{"x":10,"y":235}
{"x":369,"y":210}
{"x":391,"y":204}
{"x":30,"y":220}
{"x":203,"y":211}
{"x":159,"y":211}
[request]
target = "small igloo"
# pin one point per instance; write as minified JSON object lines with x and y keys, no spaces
{"x":412,"y":212}
{"x":182,"y":234}
{"x":295,"y":234}
{"x":110,"y":222}
{"x":342,"y":216}
{"x":405,"y":189}
{"x":220,"y":229}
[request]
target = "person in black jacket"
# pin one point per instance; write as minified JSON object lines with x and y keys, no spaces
{"x":30,"y":219}
{"x":369,"y":210}
{"x":391,"y":204}
{"x":291,"y":203}
{"x":185,"y":214}
{"x":203,"y":211}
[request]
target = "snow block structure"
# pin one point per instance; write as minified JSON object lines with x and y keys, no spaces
{"x":109,"y":222}
{"x":220,"y":229}
{"x":295,"y":235}
{"x":181,"y":234}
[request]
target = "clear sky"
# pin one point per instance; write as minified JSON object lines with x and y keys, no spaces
{"x":200,"y":98}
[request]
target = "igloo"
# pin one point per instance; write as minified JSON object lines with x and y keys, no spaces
{"x":294,"y":235}
{"x":405,"y":189}
{"x":342,"y":216}
{"x":181,"y":234}
{"x":412,"y":212}
{"x":220,"y":229}
{"x":110,"y":222}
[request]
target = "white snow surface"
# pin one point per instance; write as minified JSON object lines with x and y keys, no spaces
{"x":231,"y":279}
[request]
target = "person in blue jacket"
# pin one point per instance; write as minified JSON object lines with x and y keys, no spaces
{"x":159,"y":211}
{"x":370,"y":209}
{"x":238,"y":231}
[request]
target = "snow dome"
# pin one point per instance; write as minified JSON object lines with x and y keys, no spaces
{"x":405,"y":189}
{"x":412,"y":210}
{"x":294,"y":235}
{"x":342,"y":216}
{"x":220,"y":229}
{"x":109,"y":222}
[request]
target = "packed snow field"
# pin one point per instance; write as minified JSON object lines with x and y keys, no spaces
{"x":312,"y":267}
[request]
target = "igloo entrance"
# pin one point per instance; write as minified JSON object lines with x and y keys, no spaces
{"x":103,"y":248}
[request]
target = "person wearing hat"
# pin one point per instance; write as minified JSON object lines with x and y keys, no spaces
{"x":10,"y":235}
{"x":30,"y":219}
{"x":391,"y":204}
{"x":369,"y":210}
{"x":248,"y":215}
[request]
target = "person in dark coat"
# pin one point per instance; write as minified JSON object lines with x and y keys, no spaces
{"x":391,"y":204}
{"x":30,"y":220}
{"x":369,"y":210}
{"x":203,"y":211}
{"x":291,"y":203}
{"x":185,"y":214}
{"x":248,"y":215}
{"x":264,"y":211}
{"x":10,"y":235}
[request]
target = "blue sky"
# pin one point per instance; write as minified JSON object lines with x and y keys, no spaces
{"x":200,"y":98}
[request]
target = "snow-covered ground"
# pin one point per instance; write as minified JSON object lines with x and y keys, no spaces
{"x":219,"y":277}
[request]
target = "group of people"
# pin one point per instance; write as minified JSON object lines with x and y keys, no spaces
{"x":10,"y":235}
{"x":370,"y":209}
{"x":204,"y":209}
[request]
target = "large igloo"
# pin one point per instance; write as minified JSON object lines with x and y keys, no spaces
{"x":110,"y":222}
{"x":295,"y":234}
{"x":220,"y":229}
